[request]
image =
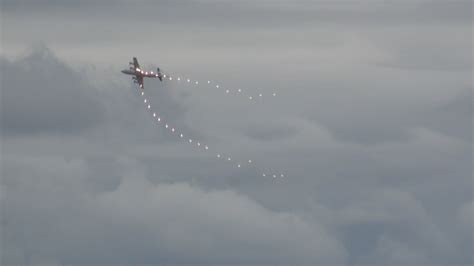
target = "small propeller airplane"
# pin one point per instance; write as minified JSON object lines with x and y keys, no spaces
{"x":139,"y":73}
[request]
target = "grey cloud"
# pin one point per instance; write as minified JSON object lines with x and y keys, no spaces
{"x":267,"y":133}
{"x":392,"y":117}
{"x":412,"y":50}
{"x":371,"y":127}
{"x":144,"y":223}
{"x":394,"y":215}
{"x":112,"y":197}
{"x":270,"y":13}
{"x":453,"y":117}
{"x":465,"y":218}
{"x":41,"y":94}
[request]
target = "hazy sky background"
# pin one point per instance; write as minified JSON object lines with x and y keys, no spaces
{"x":372,"y":126}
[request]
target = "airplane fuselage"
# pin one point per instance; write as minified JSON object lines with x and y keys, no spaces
{"x":141,"y":73}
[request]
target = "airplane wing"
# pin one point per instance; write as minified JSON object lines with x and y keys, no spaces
{"x":135,"y":63}
{"x":140,"y":81}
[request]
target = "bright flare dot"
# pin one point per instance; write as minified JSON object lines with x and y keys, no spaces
{"x":207,"y":148}
{"x":149,"y":106}
{"x":146,"y":73}
{"x":250,"y":97}
{"x":228,"y":159}
{"x":154,"y":114}
{"x":179,"y":78}
{"x":144,"y":101}
{"x":190,"y":140}
{"x":171,"y":78}
{"x":151,"y":72}
{"x":274,"y":94}
{"x":264,"y":175}
{"x":189,"y":80}
{"x":227,"y":91}
{"x":159,"y":119}
{"x":239,"y":90}
{"x":197,"y":82}
{"x":250,"y":161}
{"x":164,"y":75}
{"x":282,"y":175}
{"x":217,"y":86}
{"x":166,"y":125}
{"x":218,"y":156}
{"x":143,"y":93}
{"x":274,"y":176}
{"x":260,"y":95}
{"x":199,"y":144}
{"x":172,"y":129}
{"x":208,"y":81}
{"x":238,"y":165}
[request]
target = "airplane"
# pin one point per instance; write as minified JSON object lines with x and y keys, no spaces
{"x":139,"y":73}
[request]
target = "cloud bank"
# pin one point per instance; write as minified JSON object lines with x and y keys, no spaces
{"x":372,"y":126}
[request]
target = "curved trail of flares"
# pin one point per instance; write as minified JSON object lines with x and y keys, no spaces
{"x":223,"y":157}
{"x":250,"y":97}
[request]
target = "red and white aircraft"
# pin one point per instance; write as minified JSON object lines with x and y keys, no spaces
{"x":139,"y":73}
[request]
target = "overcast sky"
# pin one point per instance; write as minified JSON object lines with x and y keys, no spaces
{"x":371,"y":125}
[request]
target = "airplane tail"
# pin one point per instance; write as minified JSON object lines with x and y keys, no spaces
{"x":160,"y":76}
